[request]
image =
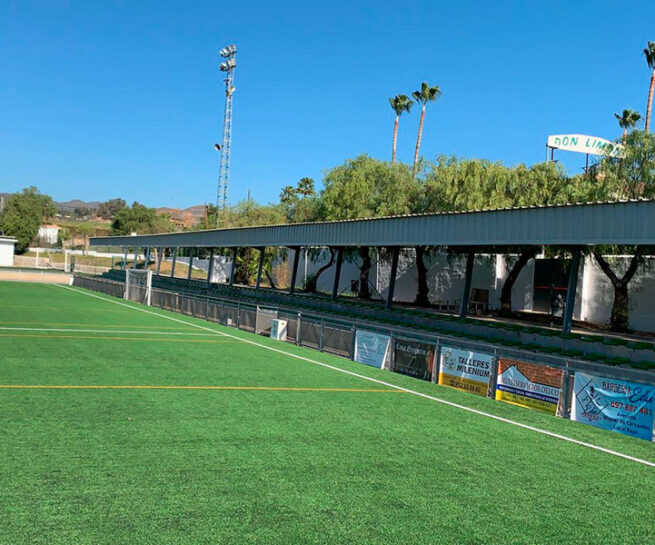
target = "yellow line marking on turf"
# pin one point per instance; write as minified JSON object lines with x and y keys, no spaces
{"x":103,"y":331}
{"x":150,"y":387}
{"x":103,"y":337}
{"x":65,"y":324}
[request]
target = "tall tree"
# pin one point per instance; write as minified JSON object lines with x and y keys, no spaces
{"x":399,"y":104}
{"x":649,"y":53}
{"x":365,"y":188}
{"x":424,"y":95}
{"x":23,"y":214}
{"x":140,"y":219}
{"x":627,"y":120}
{"x":110,"y":208}
{"x":300,"y":203}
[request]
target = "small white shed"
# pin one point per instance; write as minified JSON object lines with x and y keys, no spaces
{"x":7,"y":245}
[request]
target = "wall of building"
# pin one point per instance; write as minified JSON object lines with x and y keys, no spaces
{"x":7,"y":252}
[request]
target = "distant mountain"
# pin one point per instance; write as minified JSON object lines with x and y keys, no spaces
{"x":70,"y":206}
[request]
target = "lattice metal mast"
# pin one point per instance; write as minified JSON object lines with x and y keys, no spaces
{"x":227,"y":66}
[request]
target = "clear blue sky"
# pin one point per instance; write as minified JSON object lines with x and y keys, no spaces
{"x":124,"y":99}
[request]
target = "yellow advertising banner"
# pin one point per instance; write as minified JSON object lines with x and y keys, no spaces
{"x":465,"y":370}
{"x":528,"y":385}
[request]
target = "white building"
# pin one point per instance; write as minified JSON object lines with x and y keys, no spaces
{"x":7,"y":245}
{"x":48,"y":234}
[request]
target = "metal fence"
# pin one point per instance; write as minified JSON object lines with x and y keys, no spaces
{"x":109,"y":287}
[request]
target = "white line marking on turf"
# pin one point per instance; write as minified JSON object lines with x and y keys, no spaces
{"x":62,"y":330}
{"x":370,"y":379}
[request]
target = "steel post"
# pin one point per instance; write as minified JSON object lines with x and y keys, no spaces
{"x":260,"y":268}
{"x":392,"y":279}
{"x":294,"y":272}
{"x":174,"y":261}
{"x":569,"y":306}
{"x":464,"y":307}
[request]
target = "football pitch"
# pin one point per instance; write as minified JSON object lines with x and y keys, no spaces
{"x":123,"y":424}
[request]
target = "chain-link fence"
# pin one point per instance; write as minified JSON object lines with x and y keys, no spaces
{"x":109,"y":287}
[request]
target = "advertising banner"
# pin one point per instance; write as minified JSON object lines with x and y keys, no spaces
{"x":371,"y":348}
{"x":414,"y":359}
{"x":583,"y":143}
{"x":611,"y":404}
{"x":465,"y":370}
{"x":529,"y":385}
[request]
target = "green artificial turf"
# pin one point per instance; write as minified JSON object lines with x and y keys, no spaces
{"x":327,"y":463}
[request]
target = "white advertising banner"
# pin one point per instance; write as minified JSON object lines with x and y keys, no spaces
{"x":593,"y":145}
{"x":372,"y":348}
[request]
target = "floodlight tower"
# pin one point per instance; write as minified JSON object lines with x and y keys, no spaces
{"x":228,"y":65}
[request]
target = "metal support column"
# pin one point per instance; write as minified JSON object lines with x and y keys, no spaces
{"x":260,"y":268}
{"x":294,"y":272}
{"x":569,"y":306}
{"x":173,"y":264}
{"x":147,"y":256}
{"x":124,"y":258}
{"x":337,"y":273}
{"x":392,"y":278}
{"x":233,"y":270}
{"x":210,"y":267}
{"x":160,"y":258}
{"x":136,"y":257}
{"x":188,"y":276}
{"x":464,"y":307}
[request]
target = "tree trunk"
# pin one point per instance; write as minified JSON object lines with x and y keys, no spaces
{"x":365,"y":267}
{"x":395,"y":139}
{"x":620,"y":317}
{"x":418,"y":140}
{"x":649,"y":107}
{"x":506,"y":293}
{"x":422,"y":290}
{"x":312,"y":281}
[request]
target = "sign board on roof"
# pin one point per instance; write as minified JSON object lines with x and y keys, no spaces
{"x":582,"y":143}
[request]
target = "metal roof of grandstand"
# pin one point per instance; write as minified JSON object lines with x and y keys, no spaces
{"x":613,"y":222}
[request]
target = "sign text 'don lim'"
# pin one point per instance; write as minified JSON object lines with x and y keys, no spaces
{"x":583,"y":143}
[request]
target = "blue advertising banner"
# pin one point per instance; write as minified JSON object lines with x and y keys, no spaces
{"x":618,"y":405}
{"x":371,"y":348}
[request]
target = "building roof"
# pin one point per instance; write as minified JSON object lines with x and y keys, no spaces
{"x":617,"y":222}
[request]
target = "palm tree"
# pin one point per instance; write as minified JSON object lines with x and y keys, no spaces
{"x":399,"y":104}
{"x":627,"y":120}
{"x":649,"y":52}
{"x":424,"y":95}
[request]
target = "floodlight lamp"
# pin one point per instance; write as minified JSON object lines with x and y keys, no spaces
{"x":228,"y":50}
{"x":217,"y":147}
